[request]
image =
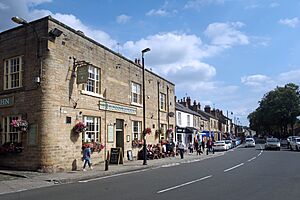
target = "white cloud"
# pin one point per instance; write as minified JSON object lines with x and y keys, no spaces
{"x":289,"y":22}
{"x":123,"y":19}
{"x":197,"y":4}
{"x":253,"y":6}
{"x":158,"y":12}
{"x":226,"y":34}
{"x":36,"y":2}
{"x":258,"y":82}
{"x":291,"y":76}
{"x":3,"y":6}
{"x":274,"y":4}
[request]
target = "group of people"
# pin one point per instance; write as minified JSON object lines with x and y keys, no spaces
{"x":198,"y":146}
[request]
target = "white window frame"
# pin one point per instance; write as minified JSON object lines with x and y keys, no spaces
{"x":136,"y":130}
{"x":13,"y":72}
{"x":10,"y":134}
{"x":136,"y":93}
{"x":162,"y":101}
{"x":93,"y":84}
{"x":163,"y":128}
{"x":188,"y":120}
{"x":93,"y":129}
{"x":179,"y":118}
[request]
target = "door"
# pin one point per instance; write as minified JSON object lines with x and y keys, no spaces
{"x":120,"y":134}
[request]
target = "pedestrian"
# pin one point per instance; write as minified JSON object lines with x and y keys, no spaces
{"x":191,"y":147}
{"x":87,"y":157}
{"x":181,"y":149}
{"x":197,"y":148}
{"x":203,"y":144}
{"x":208,"y":145}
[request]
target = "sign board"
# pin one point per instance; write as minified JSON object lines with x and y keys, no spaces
{"x":82,"y":74}
{"x":116,"y":156}
{"x":32,"y":134}
{"x":110,"y":133}
{"x":7,"y":101}
{"x":104,"y":105}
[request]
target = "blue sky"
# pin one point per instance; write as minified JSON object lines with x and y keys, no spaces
{"x":223,"y":53}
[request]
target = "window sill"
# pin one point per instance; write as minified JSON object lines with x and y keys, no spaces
{"x":136,"y":104}
{"x":92,"y":94}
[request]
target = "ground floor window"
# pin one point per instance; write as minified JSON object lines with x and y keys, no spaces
{"x":93,"y":129}
{"x":10,"y":134}
{"x":163,"y":128}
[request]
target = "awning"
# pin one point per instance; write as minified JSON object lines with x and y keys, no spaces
{"x":185,"y":129}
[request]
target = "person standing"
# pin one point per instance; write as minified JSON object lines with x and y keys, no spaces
{"x":203,"y":144}
{"x":181,"y":149}
{"x":208,"y":145}
{"x":87,"y":157}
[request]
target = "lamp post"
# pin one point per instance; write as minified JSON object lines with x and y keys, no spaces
{"x":144,"y":108}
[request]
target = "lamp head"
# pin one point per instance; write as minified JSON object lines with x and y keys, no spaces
{"x":146,"y":50}
{"x":19,"y":20}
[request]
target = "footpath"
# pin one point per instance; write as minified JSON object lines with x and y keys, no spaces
{"x":16,"y":181}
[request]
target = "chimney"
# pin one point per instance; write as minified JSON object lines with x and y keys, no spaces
{"x":207,"y":108}
{"x":188,"y":100}
{"x":135,"y":61}
{"x":139,"y":62}
{"x":195,"y":107}
{"x":199,"y":106}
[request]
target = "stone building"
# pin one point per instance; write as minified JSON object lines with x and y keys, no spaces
{"x":54,"y":77}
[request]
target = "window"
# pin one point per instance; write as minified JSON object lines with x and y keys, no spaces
{"x":188,"y":120}
{"x":179,"y":118}
{"x":136,"y":130}
{"x":93,"y":84}
{"x":13,"y":73}
{"x":163,"y":128}
{"x":162,"y":100}
{"x":136,"y":93}
{"x":10,"y":133}
{"x":93,"y":129}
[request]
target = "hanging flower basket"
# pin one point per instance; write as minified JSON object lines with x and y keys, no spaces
{"x":158,"y":132}
{"x":137,"y":143}
{"x":148,"y":131}
{"x":79,"y":127}
{"x":21,"y":125}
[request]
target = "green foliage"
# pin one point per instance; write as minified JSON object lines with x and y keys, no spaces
{"x":277,"y":110}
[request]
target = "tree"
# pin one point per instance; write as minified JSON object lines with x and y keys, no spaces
{"x":277,"y":110}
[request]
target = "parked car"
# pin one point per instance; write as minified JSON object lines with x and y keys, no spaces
{"x":289,"y":139}
{"x":220,"y":146}
{"x":295,"y":144}
{"x":272,"y":143}
{"x":229,"y":144}
{"x":249,"y":142}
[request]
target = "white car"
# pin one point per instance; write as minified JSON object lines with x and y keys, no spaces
{"x":250,"y":142}
{"x":295,"y":143}
{"x":272,"y":143}
{"x":229,"y":144}
{"x":220,"y":146}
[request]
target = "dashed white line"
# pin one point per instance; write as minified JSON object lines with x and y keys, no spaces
{"x":114,"y":175}
{"x":170,"y":165}
{"x":252,"y":159}
{"x":184,"y":184}
{"x":226,"y":170}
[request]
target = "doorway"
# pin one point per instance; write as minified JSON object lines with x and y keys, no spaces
{"x":120,"y":134}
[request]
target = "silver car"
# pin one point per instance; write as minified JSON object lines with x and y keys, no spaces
{"x":272,"y":143}
{"x":295,"y":144}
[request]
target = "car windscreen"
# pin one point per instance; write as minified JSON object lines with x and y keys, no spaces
{"x":272,"y":140}
{"x":249,"y":140}
{"x":298,"y":140}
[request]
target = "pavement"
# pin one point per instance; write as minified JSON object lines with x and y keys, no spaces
{"x":16,"y":181}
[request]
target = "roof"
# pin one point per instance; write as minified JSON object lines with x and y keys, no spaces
{"x":89,"y":39}
{"x":182,"y":108}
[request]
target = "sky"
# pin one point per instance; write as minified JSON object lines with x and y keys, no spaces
{"x":222,"y":53}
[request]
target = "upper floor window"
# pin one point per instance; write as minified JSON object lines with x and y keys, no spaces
{"x":179,"y":118}
{"x":188,"y":120}
{"x":13,"y":73}
{"x":93,"y":84}
{"x":162,"y":100}
{"x":135,"y":93}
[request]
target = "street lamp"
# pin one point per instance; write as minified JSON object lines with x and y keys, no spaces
{"x":19,"y":20}
{"x":144,"y":107}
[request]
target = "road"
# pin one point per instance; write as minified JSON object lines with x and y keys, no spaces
{"x":242,"y":173}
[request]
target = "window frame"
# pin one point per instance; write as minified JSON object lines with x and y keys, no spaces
{"x":17,"y":68}
{"x":179,"y":118}
{"x":94,"y":80}
{"x":136,"y":94}
{"x":9,"y":133}
{"x":94,"y":133}
{"x":162,"y":101}
{"x":137,"y":135}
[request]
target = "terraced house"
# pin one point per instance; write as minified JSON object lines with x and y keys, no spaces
{"x":60,"y":89}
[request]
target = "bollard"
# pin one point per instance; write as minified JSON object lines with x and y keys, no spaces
{"x":106,"y":162}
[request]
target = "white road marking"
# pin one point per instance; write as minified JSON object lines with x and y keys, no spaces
{"x":226,"y":170}
{"x":184,"y":184}
{"x":114,"y":175}
{"x":170,"y":165}
{"x":21,"y":190}
{"x":252,"y":159}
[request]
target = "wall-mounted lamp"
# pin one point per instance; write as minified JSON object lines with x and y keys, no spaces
{"x":19,"y":20}
{"x":54,"y":33}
